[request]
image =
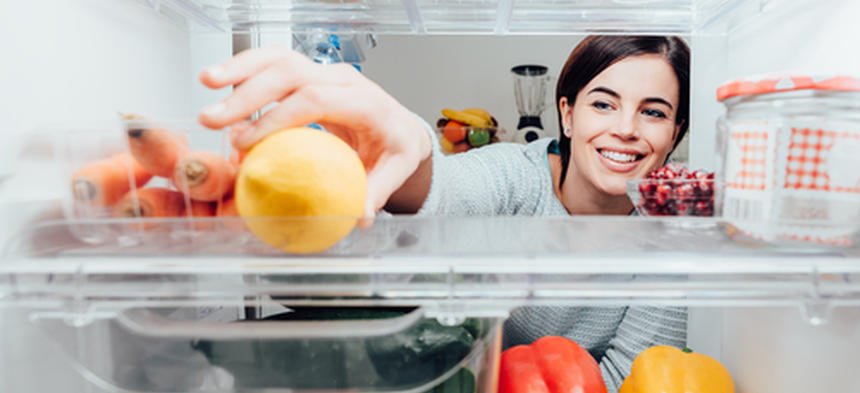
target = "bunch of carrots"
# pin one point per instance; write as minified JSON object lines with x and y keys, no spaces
{"x":202,"y":178}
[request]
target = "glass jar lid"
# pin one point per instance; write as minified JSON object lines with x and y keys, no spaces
{"x":783,"y":82}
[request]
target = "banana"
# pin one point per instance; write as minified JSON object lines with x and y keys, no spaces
{"x":466,"y":118}
{"x":480,"y":112}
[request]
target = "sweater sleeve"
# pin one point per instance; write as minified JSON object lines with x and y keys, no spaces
{"x":641,"y":328}
{"x":498,"y":179}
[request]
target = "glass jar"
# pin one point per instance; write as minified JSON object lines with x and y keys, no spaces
{"x":789,"y":157}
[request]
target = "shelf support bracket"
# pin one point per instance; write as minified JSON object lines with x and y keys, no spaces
{"x":416,"y":20}
{"x":816,"y":310}
{"x":504,"y":11}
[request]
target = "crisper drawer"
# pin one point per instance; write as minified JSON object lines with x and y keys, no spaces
{"x":297,"y":349}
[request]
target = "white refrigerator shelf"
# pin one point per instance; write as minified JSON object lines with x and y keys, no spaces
{"x":452,"y":267}
{"x":463,"y":16}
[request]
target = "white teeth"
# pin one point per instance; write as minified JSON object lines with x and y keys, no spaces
{"x":616,"y":156}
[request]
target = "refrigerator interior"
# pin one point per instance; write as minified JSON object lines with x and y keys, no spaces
{"x":77,"y":63}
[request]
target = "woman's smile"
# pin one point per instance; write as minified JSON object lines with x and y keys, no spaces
{"x":620,"y":160}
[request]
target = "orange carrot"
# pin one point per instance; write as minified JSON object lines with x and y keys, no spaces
{"x":156,"y":149}
{"x":204,"y":176}
{"x":227,"y":208}
{"x":150,"y":203}
{"x":230,"y":214}
{"x":104,"y":182}
{"x":201,"y":210}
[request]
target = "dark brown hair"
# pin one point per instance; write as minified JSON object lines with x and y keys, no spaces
{"x":597,"y":52}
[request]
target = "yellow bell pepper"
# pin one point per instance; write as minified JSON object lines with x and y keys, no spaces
{"x":665,"y":369}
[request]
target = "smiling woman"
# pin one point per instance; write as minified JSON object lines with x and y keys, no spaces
{"x":622,"y":103}
{"x":623,"y":107}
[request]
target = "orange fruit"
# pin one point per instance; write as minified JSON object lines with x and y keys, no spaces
{"x":301,"y":190}
{"x":454,"y":131}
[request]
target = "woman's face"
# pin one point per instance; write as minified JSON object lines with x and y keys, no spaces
{"x":622,"y":124}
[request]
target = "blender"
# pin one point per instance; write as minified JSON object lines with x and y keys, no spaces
{"x":530,"y":85}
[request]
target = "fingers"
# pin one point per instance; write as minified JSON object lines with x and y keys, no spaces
{"x":245,"y":64}
{"x":237,"y":129}
{"x":307,"y":105}
{"x":380,"y":186}
{"x":384,"y":179}
{"x":273,"y":83}
{"x":270,"y":85}
{"x":365,"y":222}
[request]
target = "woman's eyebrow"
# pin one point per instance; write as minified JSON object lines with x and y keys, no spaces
{"x":658,"y":100}
{"x":606,"y":90}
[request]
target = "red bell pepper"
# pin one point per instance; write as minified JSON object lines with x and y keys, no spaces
{"x":549,"y":365}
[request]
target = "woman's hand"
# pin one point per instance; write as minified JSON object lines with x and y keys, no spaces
{"x":389,"y":139}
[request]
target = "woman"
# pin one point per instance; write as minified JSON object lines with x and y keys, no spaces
{"x":622,"y":107}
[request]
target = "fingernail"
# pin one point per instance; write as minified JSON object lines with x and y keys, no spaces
{"x":215,"y":71}
{"x":215,"y":110}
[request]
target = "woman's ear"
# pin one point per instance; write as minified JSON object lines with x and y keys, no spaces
{"x":676,"y":133}
{"x":566,"y":110}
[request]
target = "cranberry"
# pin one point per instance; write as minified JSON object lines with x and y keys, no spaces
{"x":689,"y":208}
{"x":664,"y":190}
{"x":646,"y":188}
{"x":705,"y":188}
{"x":686,"y":191}
{"x":651,"y":206}
{"x":670,"y":208}
{"x":675,"y":170}
{"x":674,"y":190}
{"x":700,"y":174}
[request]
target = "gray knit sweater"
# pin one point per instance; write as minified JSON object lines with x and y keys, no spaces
{"x":513,"y":179}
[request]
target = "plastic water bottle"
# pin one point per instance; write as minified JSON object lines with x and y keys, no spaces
{"x":326,"y":49}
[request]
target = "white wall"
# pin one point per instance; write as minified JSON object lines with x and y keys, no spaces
{"x":428,"y":73}
{"x":69,"y":63}
{"x":72,"y":63}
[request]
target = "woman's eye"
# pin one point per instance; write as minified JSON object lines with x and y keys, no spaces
{"x":654,"y":113}
{"x":602,"y":105}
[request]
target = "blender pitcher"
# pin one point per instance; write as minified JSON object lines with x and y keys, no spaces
{"x":531,"y":82}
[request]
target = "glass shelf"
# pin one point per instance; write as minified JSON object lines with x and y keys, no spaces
{"x":464,"y":16}
{"x":477,"y":267}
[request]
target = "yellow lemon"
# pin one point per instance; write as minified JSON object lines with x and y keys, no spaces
{"x":310,"y":183}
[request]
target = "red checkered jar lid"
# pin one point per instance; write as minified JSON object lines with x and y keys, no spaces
{"x":777,"y":83}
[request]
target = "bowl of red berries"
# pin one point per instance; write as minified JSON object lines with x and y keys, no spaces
{"x":673,"y":190}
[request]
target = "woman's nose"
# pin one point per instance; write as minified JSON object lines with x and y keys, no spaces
{"x":626,"y":127}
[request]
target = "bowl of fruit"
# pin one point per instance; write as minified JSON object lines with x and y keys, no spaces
{"x":464,"y":130}
{"x":673,"y":190}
